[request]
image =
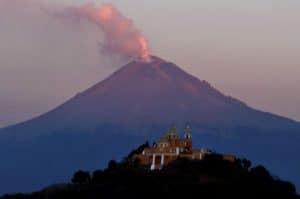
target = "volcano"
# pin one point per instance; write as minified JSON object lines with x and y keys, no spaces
{"x":138,"y":103}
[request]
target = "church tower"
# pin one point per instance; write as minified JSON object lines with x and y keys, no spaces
{"x":188,"y":138}
{"x":173,"y":136}
{"x":173,"y":133}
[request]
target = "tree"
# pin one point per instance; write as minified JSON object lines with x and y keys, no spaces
{"x":81,"y":177}
{"x":97,"y":176}
{"x":139,"y":150}
{"x":261,"y":172}
{"x":246,"y":163}
{"x":112,"y":164}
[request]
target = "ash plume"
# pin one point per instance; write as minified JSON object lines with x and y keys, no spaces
{"x":42,"y":42}
{"x":120,"y":35}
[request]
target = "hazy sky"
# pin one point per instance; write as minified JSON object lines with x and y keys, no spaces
{"x":247,"y":49}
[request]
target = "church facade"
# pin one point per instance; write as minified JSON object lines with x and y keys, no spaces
{"x":170,"y":147}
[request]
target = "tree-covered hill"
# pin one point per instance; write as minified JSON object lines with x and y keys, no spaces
{"x":212,"y":177}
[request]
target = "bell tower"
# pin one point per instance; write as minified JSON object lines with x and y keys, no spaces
{"x":188,"y":138}
{"x":173,"y":136}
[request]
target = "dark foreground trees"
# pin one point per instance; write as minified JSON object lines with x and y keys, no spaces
{"x":81,"y":177}
{"x":212,"y":177}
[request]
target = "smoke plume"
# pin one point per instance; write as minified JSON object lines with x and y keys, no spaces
{"x":43,"y":43}
{"x":120,"y":35}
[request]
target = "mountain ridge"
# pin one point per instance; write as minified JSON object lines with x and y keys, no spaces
{"x":161,"y":80}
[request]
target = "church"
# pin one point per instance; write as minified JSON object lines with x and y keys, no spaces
{"x":170,"y":147}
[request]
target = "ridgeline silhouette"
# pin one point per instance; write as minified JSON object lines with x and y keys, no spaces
{"x":212,"y":177}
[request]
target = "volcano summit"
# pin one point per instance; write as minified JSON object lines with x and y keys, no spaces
{"x":135,"y":104}
{"x":154,"y":93}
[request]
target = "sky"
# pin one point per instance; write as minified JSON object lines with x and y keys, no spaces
{"x":246,"y":49}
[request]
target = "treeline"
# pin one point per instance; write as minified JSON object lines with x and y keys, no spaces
{"x":212,"y":177}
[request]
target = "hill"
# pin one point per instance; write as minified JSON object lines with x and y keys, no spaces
{"x":211,"y":177}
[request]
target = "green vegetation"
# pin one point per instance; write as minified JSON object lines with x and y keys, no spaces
{"x":212,"y":177}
